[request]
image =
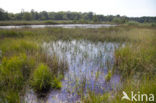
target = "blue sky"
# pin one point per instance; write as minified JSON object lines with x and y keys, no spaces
{"x":131,"y":8}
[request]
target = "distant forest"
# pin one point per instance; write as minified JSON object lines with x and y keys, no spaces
{"x":77,"y":16}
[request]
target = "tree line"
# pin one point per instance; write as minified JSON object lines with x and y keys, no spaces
{"x":77,"y":16}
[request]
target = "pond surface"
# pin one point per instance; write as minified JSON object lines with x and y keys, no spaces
{"x":59,"y":25}
{"x":88,"y":63}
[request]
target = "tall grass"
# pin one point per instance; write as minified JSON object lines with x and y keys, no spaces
{"x":15,"y":46}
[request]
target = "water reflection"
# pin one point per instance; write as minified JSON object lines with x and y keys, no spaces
{"x":59,"y":25}
{"x":88,"y":65}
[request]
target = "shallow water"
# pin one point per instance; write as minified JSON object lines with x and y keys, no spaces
{"x":59,"y":25}
{"x":88,"y":62}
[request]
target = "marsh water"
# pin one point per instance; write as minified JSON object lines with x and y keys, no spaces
{"x":59,"y":25}
{"x":88,"y":62}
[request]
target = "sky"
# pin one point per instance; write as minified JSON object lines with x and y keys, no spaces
{"x":130,"y":8}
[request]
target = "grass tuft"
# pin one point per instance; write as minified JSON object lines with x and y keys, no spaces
{"x":43,"y":80}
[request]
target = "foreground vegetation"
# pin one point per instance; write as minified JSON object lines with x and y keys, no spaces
{"x":23,"y":61}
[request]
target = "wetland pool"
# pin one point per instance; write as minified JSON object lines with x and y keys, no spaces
{"x":88,"y":62}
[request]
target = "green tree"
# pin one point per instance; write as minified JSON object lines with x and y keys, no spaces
{"x":27,"y":16}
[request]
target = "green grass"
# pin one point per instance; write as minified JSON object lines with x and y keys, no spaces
{"x":10,"y":47}
{"x":136,"y":61}
{"x":23,"y":60}
{"x":114,"y":34}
